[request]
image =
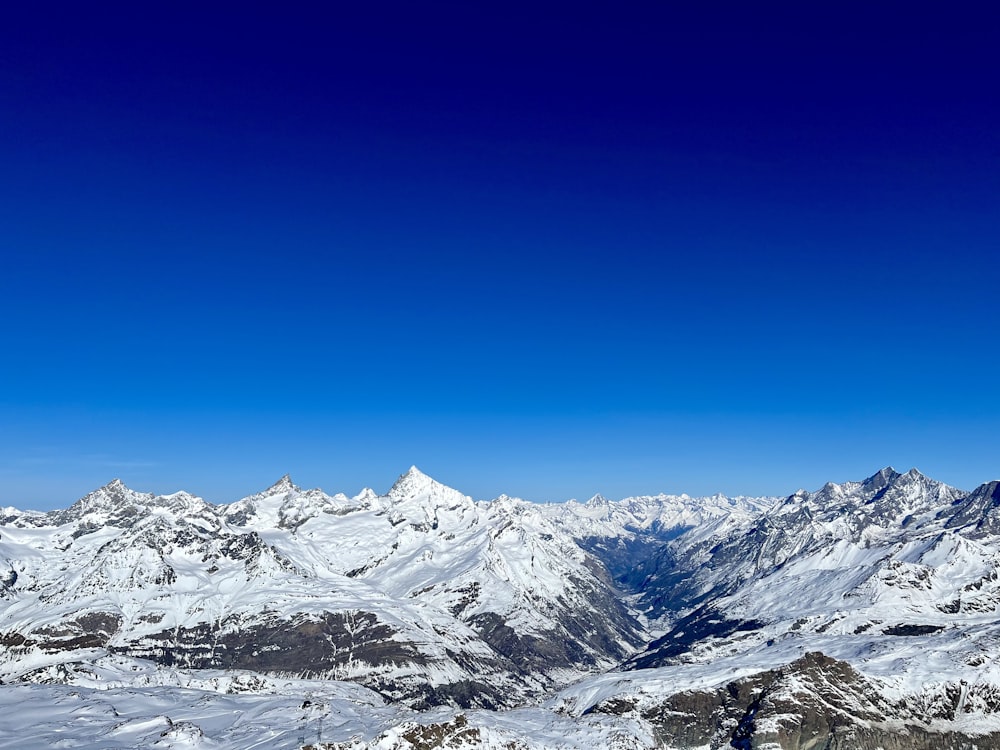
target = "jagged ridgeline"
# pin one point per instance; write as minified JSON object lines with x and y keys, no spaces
{"x":862,"y":615}
{"x":420,"y":594}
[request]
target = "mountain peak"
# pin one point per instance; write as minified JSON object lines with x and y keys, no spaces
{"x":111,"y":500}
{"x":415,"y":484}
{"x":597,"y":501}
{"x":366,"y":497}
{"x":979,"y":510}
{"x":115,"y":490}
{"x":915,"y":473}
{"x":413,"y":480}
{"x":882,"y":478}
{"x":283,"y":485}
{"x":988,"y":489}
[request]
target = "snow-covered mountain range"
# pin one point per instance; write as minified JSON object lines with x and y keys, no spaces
{"x":861,"y":615}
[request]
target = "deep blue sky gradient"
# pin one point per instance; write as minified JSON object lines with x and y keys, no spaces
{"x":544,"y":251}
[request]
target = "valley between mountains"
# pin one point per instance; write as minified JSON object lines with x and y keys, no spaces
{"x":862,"y":615}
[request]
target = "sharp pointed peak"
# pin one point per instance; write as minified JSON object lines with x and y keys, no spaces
{"x":283,"y":485}
{"x":410,"y":480}
{"x":415,"y":473}
{"x":115,"y":488}
{"x":597,"y":500}
{"x":414,"y":483}
{"x":367,"y":495}
{"x":108,"y":498}
{"x":882,"y":477}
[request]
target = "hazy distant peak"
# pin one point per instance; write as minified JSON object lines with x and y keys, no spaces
{"x":367,"y":496}
{"x":108,"y":501}
{"x":115,"y":491}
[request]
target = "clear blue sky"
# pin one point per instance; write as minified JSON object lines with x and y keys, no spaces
{"x":542,"y":250}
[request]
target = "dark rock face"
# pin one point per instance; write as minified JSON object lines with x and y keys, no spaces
{"x":87,"y":630}
{"x":603,"y":634}
{"x":321,"y":647}
{"x":913,"y":629}
{"x":305,"y":645}
{"x":308,"y":646}
{"x":702,"y":624}
{"x":579,"y":637}
{"x":526,"y":651}
{"x":455,"y":733}
{"x":463,"y":693}
{"x":814,"y":703}
{"x":978,"y":514}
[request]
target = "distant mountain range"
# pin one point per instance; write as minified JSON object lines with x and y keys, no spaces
{"x":862,"y":615}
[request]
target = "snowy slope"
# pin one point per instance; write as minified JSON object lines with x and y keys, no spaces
{"x":420,"y":594}
{"x":882,"y":593}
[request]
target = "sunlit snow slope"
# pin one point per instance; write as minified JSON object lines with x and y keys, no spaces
{"x":420,"y":594}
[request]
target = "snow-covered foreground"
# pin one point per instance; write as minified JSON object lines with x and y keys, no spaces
{"x":133,"y":704}
{"x":58,"y":716}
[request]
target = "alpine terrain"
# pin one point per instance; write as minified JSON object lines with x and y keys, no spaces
{"x":863,"y":615}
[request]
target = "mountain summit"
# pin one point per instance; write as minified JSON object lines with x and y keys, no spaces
{"x":113,"y":503}
{"x":281,"y":487}
{"x":416,"y":488}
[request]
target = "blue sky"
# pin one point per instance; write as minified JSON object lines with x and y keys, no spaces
{"x":534,"y":251}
